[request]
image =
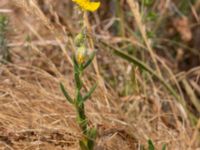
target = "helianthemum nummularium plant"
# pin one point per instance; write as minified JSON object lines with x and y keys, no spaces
{"x":80,"y":62}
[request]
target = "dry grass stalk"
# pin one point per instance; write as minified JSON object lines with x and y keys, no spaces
{"x":136,"y":13}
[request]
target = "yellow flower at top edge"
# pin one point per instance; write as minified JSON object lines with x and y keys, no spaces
{"x":87,"y":5}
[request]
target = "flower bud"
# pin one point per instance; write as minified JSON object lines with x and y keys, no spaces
{"x":79,"y":39}
{"x":81,"y":54}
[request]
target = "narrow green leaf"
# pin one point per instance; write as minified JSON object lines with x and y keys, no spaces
{"x":150,"y":145}
{"x":89,"y":93}
{"x":65,"y":93}
{"x":83,"y":146}
{"x":150,"y":34}
{"x":74,"y":61}
{"x":147,"y":2}
{"x":151,"y":16}
{"x":91,"y":134}
{"x":4,"y":49}
{"x":164,"y":147}
{"x":143,"y":66}
{"x":89,"y":60}
{"x":82,"y":123}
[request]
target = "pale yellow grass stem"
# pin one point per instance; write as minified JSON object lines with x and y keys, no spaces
{"x":135,"y":10}
{"x":95,"y":63}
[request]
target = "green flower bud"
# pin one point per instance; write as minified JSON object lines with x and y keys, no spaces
{"x":81,"y":54}
{"x":79,"y":39}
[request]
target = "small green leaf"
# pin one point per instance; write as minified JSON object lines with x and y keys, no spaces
{"x":147,"y":2}
{"x":151,"y":16}
{"x":143,"y":66}
{"x":89,"y":93}
{"x":83,"y":145}
{"x":91,"y":133}
{"x":81,"y":121}
{"x":150,"y":34}
{"x":65,"y":93}
{"x":3,"y":23}
{"x":74,"y":61}
{"x":89,"y":60}
{"x":151,"y":146}
{"x":164,"y":147}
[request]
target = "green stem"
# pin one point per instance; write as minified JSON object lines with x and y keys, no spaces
{"x":81,"y":118}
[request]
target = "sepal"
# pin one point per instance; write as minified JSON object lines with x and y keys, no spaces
{"x":89,"y":60}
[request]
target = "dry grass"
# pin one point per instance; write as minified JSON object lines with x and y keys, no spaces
{"x":34,"y":113}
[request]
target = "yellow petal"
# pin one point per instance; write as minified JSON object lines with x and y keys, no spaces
{"x":92,"y":6}
{"x":81,"y":2}
{"x":87,"y":5}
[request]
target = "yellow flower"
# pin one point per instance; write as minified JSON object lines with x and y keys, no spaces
{"x":87,"y":5}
